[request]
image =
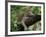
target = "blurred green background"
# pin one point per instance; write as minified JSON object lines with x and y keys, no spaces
{"x":17,"y":13}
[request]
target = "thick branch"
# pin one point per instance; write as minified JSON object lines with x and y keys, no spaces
{"x":32,"y":19}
